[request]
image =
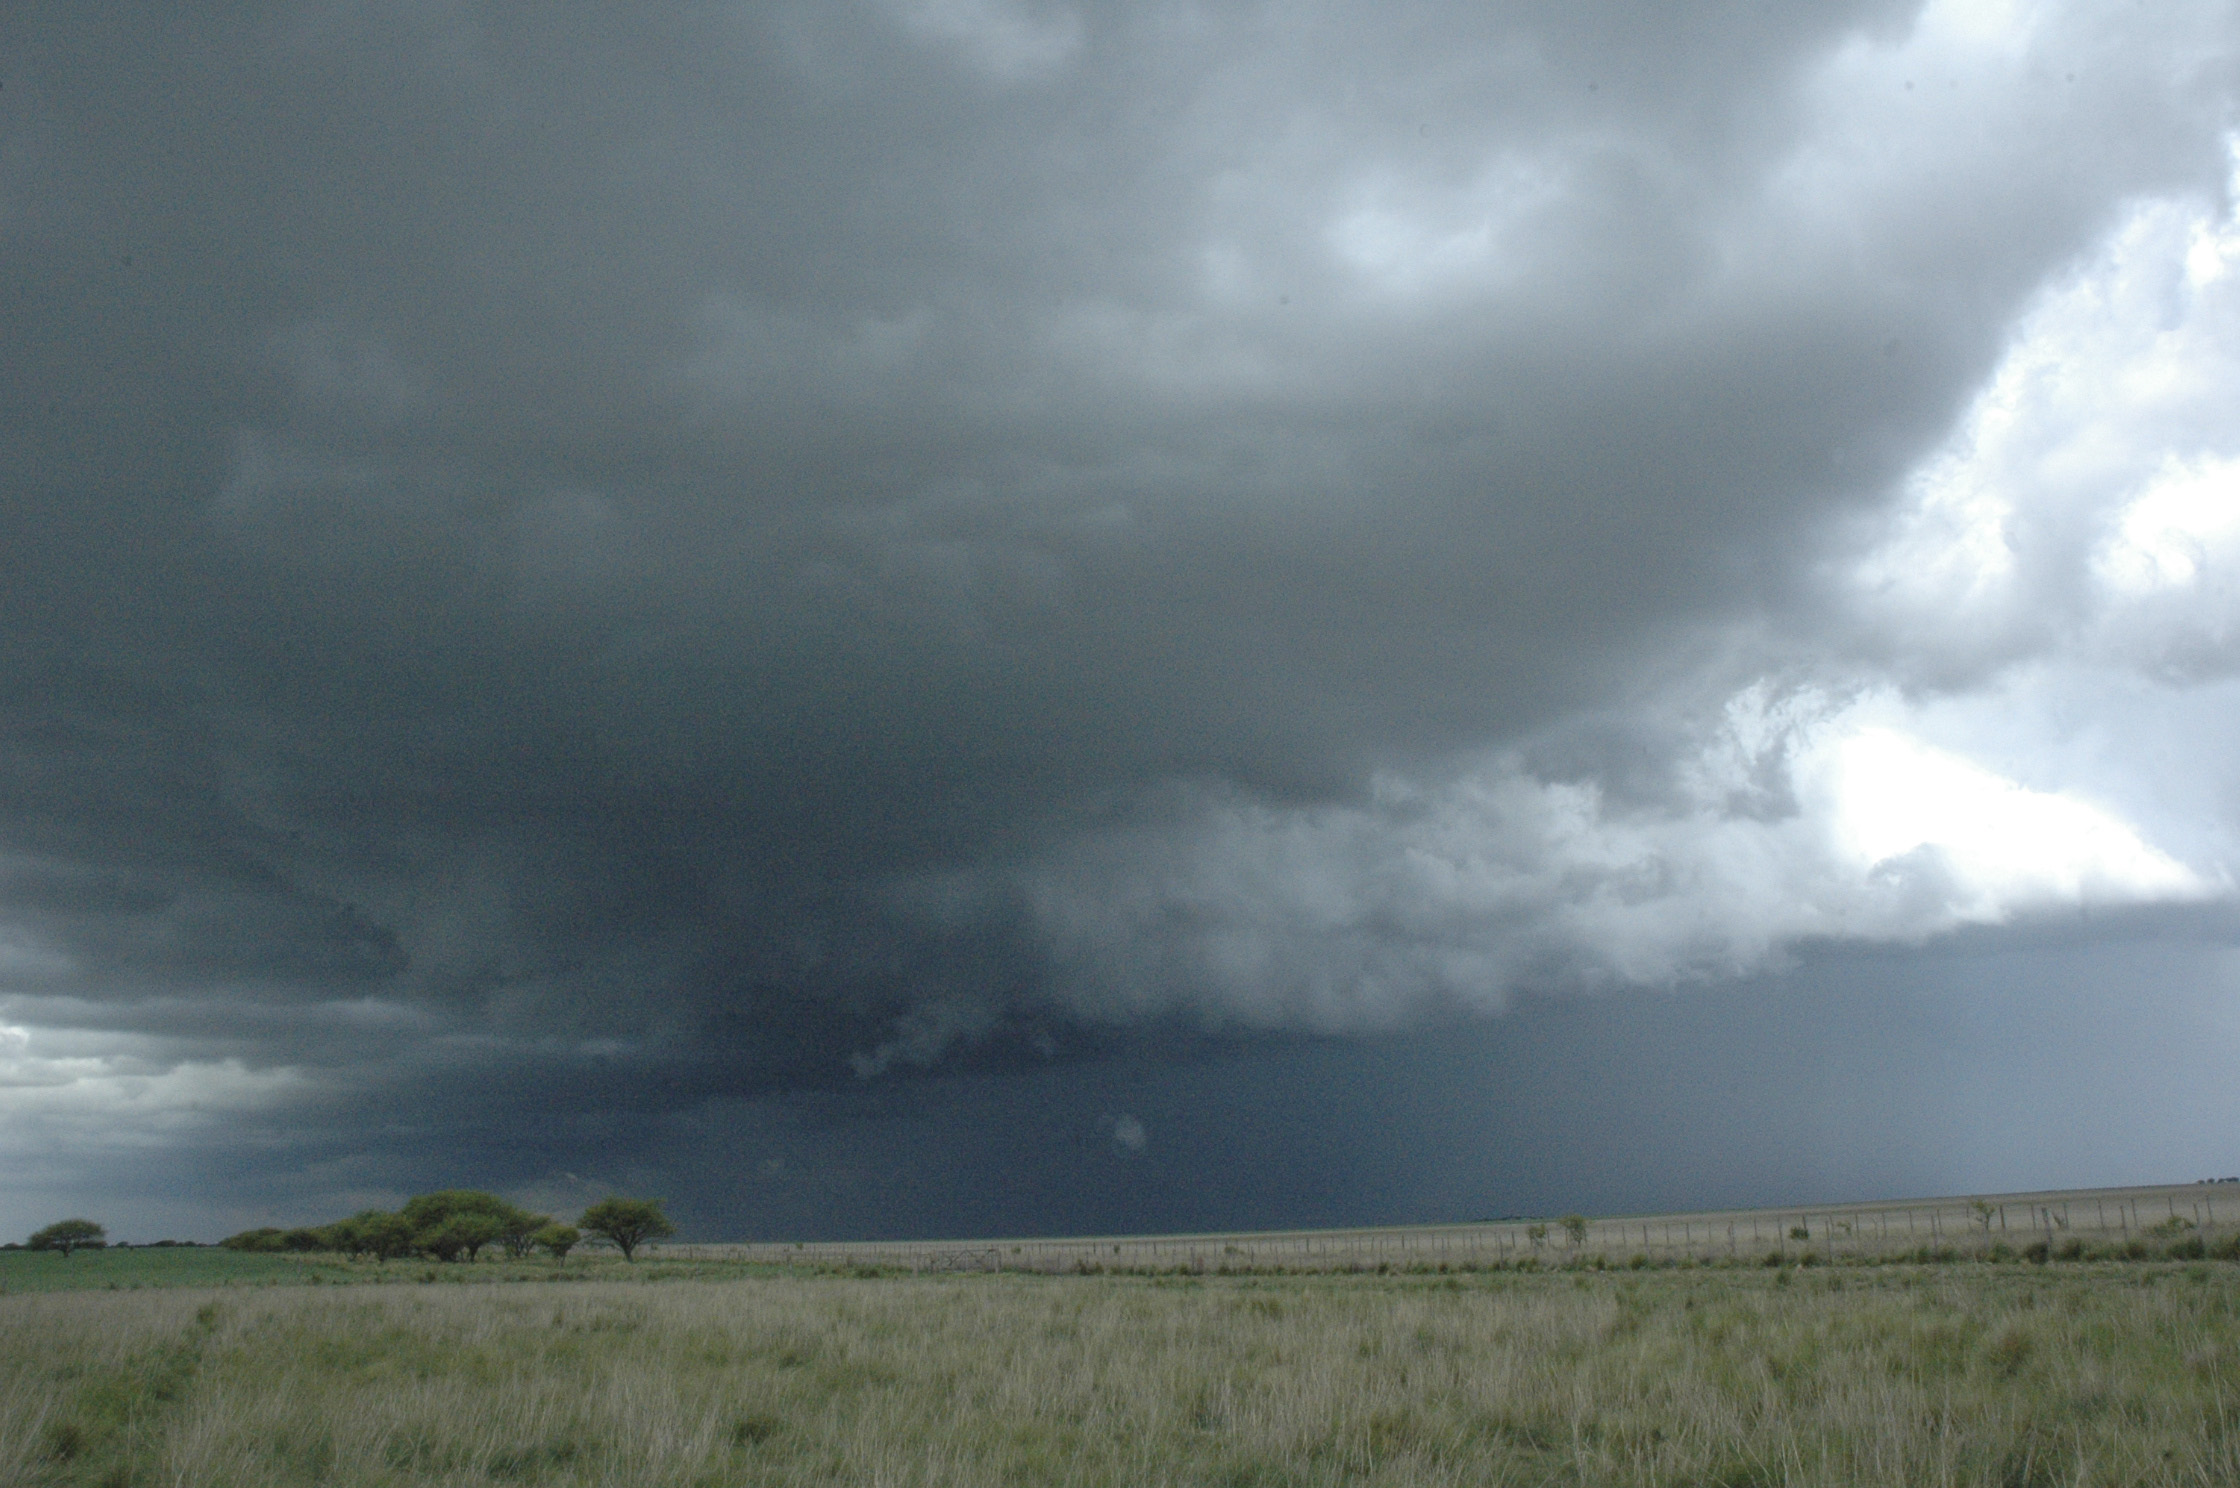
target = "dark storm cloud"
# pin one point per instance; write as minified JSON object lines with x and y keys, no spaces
{"x":614,"y":560}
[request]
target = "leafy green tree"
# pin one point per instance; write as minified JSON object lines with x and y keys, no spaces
{"x":261,"y":1239}
{"x":1575,"y":1225}
{"x":383,"y":1235}
{"x":627,"y":1223}
{"x":443,"y":1241}
{"x":67,"y":1235}
{"x":343,"y":1237}
{"x":519,"y":1232}
{"x":558,"y":1239}
{"x":458,"y":1221}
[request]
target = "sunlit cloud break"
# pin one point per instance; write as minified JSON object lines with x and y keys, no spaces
{"x":1799,"y":820}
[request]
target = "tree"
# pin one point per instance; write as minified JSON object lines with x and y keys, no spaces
{"x":558,"y":1239}
{"x":627,"y":1223}
{"x":376,"y":1232}
{"x":1575,"y":1225}
{"x":520,"y":1230}
{"x":458,"y":1233}
{"x":67,"y":1235}
{"x":344,"y":1237}
{"x":459,"y":1221}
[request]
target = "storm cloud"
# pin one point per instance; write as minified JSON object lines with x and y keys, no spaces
{"x":564,"y":568}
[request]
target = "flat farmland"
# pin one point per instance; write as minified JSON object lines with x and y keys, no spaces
{"x":1910,"y":1342}
{"x":2101,"y":1222}
{"x":1736,"y":1376}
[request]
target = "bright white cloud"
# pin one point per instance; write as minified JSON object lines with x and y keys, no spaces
{"x":2089,"y":503}
{"x":1799,"y":819}
{"x":110,"y":1089}
{"x":2004,"y":847}
{"x":2182,"y":529}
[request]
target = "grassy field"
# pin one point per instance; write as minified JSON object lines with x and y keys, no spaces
{"x":2111,"y":1374}
{"x":124,"y":1270}
{"x":2134,"y":1223}
{"x":208,"y":1266}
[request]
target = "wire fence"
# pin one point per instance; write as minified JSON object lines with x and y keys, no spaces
{"x":1963,"y":1226}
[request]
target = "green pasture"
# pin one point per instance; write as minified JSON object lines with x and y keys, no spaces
{"x":124,"y":1269}
{"x":2019,"y":1376}
{"x":120,"y":1269}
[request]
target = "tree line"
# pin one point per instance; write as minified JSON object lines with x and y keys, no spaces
{"x":459,"y":1224}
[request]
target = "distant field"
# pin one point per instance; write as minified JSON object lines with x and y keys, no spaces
{"x":2169,"y":1222}
{"x":2098,"y":1222}
{"x":209,"y":1266}
{"x":1742,"y":1377}
{"x":192,"y":1266}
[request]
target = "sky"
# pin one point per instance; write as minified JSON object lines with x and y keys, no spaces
{"x":962,"y":617}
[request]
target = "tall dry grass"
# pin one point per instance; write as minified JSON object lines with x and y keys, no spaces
{"x":1935,"y":1376}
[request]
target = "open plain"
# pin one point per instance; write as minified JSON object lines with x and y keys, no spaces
{"x":722,"y":1371}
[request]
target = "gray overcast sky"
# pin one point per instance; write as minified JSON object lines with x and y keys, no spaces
{"x":923,"y":616}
